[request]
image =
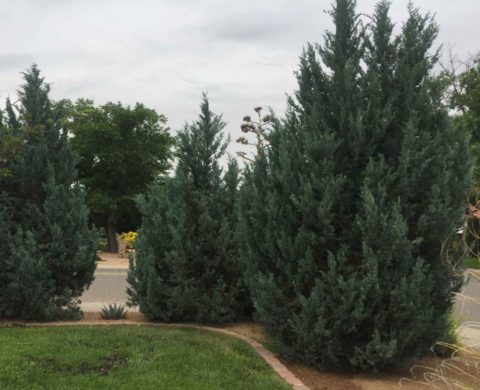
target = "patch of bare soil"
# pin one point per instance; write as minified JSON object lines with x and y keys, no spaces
{"x":105,"y":365}
{"x":427,"y":373}
{"x":132,"y":316}
{"x":111,"y":260}
{"x":250,"y":329}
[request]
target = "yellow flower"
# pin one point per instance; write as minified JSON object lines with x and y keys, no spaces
{"x":129,"y":239}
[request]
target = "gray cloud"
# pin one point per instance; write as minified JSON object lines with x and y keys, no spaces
{"x":15,"y":61}
{"x":165,"y":53}
{"x":247,"y":28}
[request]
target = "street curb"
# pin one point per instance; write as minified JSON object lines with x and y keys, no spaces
{"x":107,"y":269}
{"x":265,"y":354}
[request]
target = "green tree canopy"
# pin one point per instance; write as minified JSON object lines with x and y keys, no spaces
{"x":10,"y":142}
{"x":465,"y":99}
{"x":344,"y":216}
{"x":122,"y":151}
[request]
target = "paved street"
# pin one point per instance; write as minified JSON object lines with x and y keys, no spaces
{"x":109,"y":286}
{"x":467,"y":309}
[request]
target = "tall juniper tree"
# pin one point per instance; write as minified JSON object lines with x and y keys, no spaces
{"x":47,"y":250}
{"x":186,"y":265}
{"x":361,"y":185}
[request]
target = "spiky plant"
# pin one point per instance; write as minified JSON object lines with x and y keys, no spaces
{"x":112,"y":311}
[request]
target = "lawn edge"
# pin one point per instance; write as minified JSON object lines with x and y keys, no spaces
{"x":277,"y":366}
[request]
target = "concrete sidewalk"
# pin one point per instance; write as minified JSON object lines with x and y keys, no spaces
{"x":467,"y":310}
{"x":470,"y":335}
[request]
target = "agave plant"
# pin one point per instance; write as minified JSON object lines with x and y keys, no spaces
{"x":113,"y":311}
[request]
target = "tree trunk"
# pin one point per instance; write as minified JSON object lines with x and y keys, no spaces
{"x":111,"y":232}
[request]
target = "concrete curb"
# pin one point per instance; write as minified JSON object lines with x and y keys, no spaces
{"x":266,"y":355}
{"x":106,"y":270}
{"x":89,"y":307}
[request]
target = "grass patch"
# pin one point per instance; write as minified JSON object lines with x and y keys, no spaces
{"x":143,"y":357}
{"x":471,"y":262}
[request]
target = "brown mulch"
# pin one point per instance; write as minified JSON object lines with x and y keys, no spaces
{"x":410,"y":376}
{"x":132,"y":316}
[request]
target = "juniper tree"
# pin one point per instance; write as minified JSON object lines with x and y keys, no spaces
{"x":361,"y":185}
{"x":186,"y":265}
{"x":47,"y":251}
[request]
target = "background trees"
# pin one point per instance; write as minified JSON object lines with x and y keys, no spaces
{"x":358,"y":190}
{"x":47,"y":251}
{"x":464,"y":98}
{"x":122,"y":151}
{"x":186,"y":266}
{"x":9,"y":144}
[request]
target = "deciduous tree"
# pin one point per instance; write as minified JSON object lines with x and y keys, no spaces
{"x":122,"y":151}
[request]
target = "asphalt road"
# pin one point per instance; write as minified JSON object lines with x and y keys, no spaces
{"x":109,"y":286}
{"x":466,"y":309}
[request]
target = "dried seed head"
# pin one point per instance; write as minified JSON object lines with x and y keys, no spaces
{"x":247,"y":119}
{"x":242,"y":140}
{"x":267,"y":118}
{"x":258,"y":109}
{"x":245,"y":127}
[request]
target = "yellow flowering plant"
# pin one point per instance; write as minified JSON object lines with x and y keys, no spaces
{"x":129,"y":239}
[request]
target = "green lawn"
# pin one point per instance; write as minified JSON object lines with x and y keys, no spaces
{"x":471,"y":262}
{"x":143,"y":357}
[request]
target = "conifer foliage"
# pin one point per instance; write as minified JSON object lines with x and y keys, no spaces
{"x":186,"y":264}
{"x":344,"y":216}
{"x":47,"y":251}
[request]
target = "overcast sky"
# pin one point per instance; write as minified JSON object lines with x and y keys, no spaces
{"x":164,"y":53}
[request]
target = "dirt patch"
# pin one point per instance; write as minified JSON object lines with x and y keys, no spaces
{"x":250,"y":329}
{"x":111,"y":260}
{"x":131,"y":316}
{"x":103,"y":366}
{"x":418,"y":374}
{"x":318,"y":380}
